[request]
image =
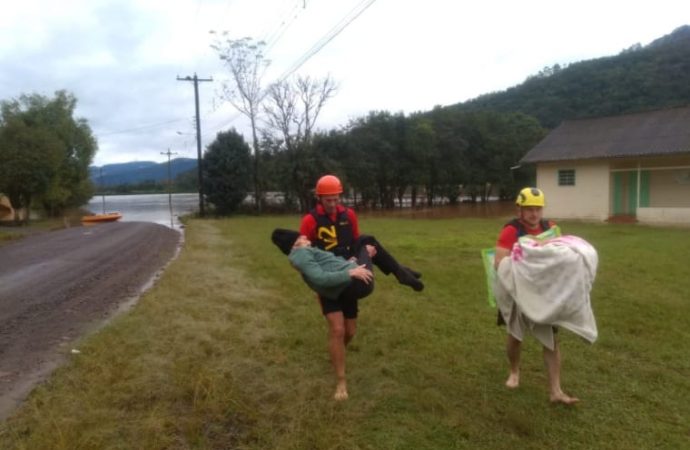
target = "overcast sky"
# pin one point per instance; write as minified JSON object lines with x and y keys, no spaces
{"x":121,"y":58}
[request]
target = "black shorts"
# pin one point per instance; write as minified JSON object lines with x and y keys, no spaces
{"x":348,"y":300}
{"x":348,"y":306}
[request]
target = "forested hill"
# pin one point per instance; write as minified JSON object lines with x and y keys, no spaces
{"x":640,"y":78}
{"x":139,"y":171}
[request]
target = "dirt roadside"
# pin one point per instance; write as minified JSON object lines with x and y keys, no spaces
{"x":57,"y":286}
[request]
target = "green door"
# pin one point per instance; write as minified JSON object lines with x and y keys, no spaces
{"x":625,"y":192}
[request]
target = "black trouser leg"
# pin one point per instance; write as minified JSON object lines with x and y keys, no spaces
{"x":388,"y":264}
{"x":383,"y":260}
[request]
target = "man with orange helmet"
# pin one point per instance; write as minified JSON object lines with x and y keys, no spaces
{"x":530,"y":203}
{"x":334,"y":227}
{"x":330,"y":225}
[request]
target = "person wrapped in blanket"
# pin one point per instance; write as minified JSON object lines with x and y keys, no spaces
{"x":541,"y":286}
{"x":339,"y":282}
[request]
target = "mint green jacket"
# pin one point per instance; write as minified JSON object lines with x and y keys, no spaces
{"x":324,"y":272}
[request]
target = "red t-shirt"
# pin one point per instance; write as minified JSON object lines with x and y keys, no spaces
{"x":509,"y":234}
{"x":308,"y":225}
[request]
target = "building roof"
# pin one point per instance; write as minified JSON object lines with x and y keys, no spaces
{"x":652,"y":133}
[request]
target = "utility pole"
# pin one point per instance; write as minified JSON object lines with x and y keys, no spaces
{"x":100,"y":181}
{"x":196,"y":81}
{"x":169,"y":154}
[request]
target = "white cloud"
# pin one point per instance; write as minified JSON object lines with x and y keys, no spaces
{"x":121,"y":57}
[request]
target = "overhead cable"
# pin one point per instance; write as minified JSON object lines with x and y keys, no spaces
{"x":328,"y":37}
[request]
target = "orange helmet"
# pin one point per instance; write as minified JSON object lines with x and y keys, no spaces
{"x":329,"y":185}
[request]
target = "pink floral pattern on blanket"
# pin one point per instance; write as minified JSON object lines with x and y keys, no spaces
{"x":517,"y":253}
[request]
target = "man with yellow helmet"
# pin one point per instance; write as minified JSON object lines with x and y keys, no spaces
{"x":530,"y":203}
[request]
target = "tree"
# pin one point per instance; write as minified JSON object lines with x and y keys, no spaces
{"x":651,"y":77}
{"x":495,"y":143}
{"x":422,"y":163}
{"x":227,"y":171}
{"x":374,"y":156}
{"x":45,"y":152}
{"x":186,"y":181}
{"x":245,"y":60}
{"x":28,"y":162}
{"x":72,"y":186}
{"x":292,"y":110}
{"x":448,"y":171}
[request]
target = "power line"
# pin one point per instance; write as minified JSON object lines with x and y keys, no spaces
{"x":328,"y":37}
{"x":276,"y":35}
{"x":322,"y":42}
{"x":226,"y":123}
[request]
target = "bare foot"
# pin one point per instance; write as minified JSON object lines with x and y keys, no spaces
{"x":513,"y":380}
{"x":340,"y":391}
{"x":562,"y":397}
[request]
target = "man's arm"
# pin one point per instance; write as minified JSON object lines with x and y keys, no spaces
{"x":308,"y":227}
{"x":500,"y":254}
{"x":504,"y":244}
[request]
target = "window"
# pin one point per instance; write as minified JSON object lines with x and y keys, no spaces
{"x":566,"y":177}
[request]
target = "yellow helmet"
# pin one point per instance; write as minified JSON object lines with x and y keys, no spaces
{"x":530,"y":196}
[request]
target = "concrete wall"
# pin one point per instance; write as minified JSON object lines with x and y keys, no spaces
{"x":669,"y":198}
{"x":588,"y":199}
{"x":669,"y":188}
{"x":664,"y":216}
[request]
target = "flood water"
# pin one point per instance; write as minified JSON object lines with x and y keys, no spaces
{"x":464,"y":210}
{"x":155,"y":208}
{"x":147,"y":207}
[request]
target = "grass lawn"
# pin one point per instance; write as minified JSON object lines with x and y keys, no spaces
{"x":228,"y":350}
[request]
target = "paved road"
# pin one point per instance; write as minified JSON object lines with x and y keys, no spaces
{"x":56,"y":285}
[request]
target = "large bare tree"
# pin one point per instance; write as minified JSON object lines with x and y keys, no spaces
{"x":247,"y":64}
{"x":292,"y":109}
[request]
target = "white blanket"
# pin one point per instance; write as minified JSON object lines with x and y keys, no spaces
{"x":547,"y":284}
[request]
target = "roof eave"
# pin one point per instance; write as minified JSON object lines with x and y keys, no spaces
{"x":536,"y":160}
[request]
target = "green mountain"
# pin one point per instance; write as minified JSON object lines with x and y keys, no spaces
{"x":640,"y":78}
{"x":139,"y":171}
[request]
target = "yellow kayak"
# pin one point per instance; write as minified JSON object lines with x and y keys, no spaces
{"x":99,"y":218}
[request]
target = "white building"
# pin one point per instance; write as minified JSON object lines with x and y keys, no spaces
{"x":634,"y":165}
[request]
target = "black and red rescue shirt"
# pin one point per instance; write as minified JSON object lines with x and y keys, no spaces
{"x":334,"y":233}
